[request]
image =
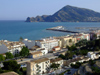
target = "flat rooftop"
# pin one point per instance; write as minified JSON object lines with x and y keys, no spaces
{"x":40,"y":60}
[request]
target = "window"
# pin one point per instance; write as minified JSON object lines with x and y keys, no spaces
{"x":43,"y":65}
{"x":46,"y":62}
{"x":33,"y":68}
{"x":39,"y":70}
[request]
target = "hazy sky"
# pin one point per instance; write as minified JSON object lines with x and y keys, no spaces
{"x":21,"y":9}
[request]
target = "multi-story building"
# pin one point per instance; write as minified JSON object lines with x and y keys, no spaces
{"x":82,"y":36}
{"x":29,"y":43}
{"x":93,"y":55}
{"x":47,"y":43}
{"x":57,"y":48}
{"x":35,"y":54}
{"x":95,"y":35}
{"x":65,"y":41}
{"x":43,"y":50}
{"x":9,"y":46}
{"x":38,"y":66}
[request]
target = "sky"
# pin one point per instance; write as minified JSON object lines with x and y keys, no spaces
{"x":21,"y":9}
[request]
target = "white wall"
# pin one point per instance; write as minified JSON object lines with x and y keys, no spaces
{"x":29,"y":43}
{"x":44,"y":52}
{"x":3,"y":49}
{"x":91,"y":56}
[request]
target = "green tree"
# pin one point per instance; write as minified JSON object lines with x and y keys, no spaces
{"x":91,"y":62}
{"x":83,"y":52}
{"x":69,"y":54}
{"x":9,"y":55}
{"x":92,"y":43}
{"x":94,"y":36}
{"x":62,"y":56}
{"x":77,"y":65}
{"x":20,"y":39}
{"x":99,"y":37}
{"x":96,"y":48}
{"x":96,"y":70}
{"x":24,"y":52}
{"x":53,"y":65}
{"x":81,"y":43}
{"x":16,"y":55}
{"x":68,"y":70}
{"x":0,"y":70}
{"x":72,"y":48}
{"x":11,"y":65}
{"x":2,"y":58}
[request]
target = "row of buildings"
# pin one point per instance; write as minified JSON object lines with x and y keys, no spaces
{"x":49,"y":44}
{"x":39,"y":48}
{"x":62,"y":42}
{"x":40,"y":66}
{"x":10,"y":46}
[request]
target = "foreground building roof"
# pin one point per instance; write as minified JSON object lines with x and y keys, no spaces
{"x":9,"y":73}
{"x":40,"y":60}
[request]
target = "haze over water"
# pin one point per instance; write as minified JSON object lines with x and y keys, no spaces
{"x":13,"y":30}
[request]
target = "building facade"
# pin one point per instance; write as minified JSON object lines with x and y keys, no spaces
{"x":29,"y":43}
{"x":57,"y":61}
{"x":39,"y":66}
{"x":35,"y":54}
{"x":48,"y":43}
{"x":82,"y":36}
{"x":9,"y":46}
{"x":66,"y":41}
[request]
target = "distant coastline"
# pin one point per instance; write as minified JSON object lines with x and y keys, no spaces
{"x":68,"y":14}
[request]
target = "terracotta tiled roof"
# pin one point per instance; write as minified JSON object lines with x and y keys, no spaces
{"x":34,"y":53}
{"x":57,"y":47}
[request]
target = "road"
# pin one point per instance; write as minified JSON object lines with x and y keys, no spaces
{"x":81,"y":69}
{"x":49,"y":55}
{"x":72,"y":71}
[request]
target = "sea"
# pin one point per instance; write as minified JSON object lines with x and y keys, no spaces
{"x":13,"y":30}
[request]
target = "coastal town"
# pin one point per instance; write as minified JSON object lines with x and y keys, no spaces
{"x":64,"y":55}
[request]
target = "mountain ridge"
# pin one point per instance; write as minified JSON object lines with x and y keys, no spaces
{"x":68,"y":14}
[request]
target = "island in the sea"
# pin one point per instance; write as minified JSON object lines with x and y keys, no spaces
{"x":68,"y":14}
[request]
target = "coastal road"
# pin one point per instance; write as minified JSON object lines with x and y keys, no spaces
{"x":72,"y":71}
{"x":49,"y":55}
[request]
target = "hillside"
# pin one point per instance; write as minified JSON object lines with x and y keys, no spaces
{"x":68,"y":14}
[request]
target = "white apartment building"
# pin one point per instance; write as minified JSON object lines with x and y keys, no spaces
{"x":86,"y":36}
{"x":48,"y":43}
{"x":9,"y":46}
{"x":82,"y":36}
{"x":92,"y":55}
{"x":29,"y":43}
{"x":44,"y":51}
{"x":38,"y":66}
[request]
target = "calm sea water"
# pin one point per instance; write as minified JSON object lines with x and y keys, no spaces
{"x":13,"y":30}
